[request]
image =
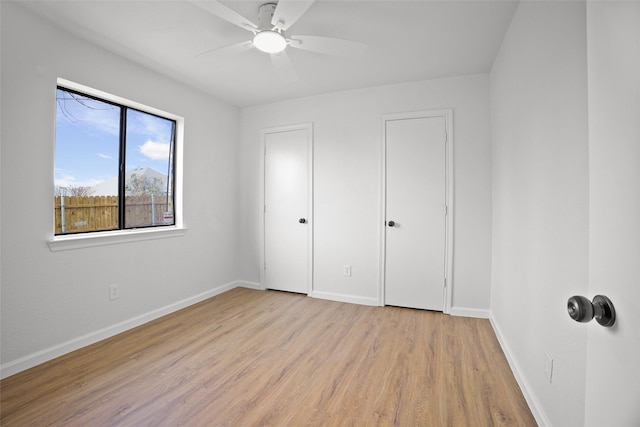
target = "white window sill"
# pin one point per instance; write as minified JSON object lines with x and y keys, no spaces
{"x":87,"y":240}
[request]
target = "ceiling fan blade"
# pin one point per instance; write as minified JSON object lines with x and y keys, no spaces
{"x":288,"y":12}
{"x":329,"y":46}
{"x":216,"y":8}
{"x":284,"y":67}
{"x":233,"y":49}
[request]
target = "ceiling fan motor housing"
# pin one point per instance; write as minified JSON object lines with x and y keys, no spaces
{"x":265,"y":15}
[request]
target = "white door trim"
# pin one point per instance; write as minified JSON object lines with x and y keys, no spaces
{"x":449,"y":187}
{"x":308,"y":127}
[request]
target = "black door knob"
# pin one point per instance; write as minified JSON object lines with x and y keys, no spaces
{"x":391,"y":223}
{"x":302,"y":220}
{"x":601,"y":308}
{"x":580,"y":309}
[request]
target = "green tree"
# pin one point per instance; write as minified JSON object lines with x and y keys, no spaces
{"x":140,"y":185}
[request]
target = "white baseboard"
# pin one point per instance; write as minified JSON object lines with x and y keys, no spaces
{"x":34,"y":359}
{"x":353,"y":299}
{"x":469,"y":312}
{"x":250,"y":285}
{"x":529,"y":395}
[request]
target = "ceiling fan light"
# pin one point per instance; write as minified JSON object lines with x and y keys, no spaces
{"x":270,"y":41}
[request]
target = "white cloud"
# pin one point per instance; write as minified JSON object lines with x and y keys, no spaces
{"x":104,"y":156}
{"x":156,"y":127}
{"x":66,"y":180}
{"x":152,"y":127}
{"x":155,"y":150}
{"x":104,"y":120}
{"x":90,"y":114}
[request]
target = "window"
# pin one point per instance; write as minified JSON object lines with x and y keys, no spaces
{"x":114,"y":165}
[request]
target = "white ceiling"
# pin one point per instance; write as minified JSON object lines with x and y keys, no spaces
{"x":406,"y":41}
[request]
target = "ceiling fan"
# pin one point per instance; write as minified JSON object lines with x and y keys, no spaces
{"x":269,"y":36}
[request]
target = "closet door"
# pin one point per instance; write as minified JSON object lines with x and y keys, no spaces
{"x":415,"y":227}
{"x":287,"y":236}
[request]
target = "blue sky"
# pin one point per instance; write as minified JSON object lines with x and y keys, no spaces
{"x":86,"y":151}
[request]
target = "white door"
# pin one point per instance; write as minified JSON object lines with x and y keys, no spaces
{"x":613,"y":354}
{"x":415,"y":231}
{"x":287,"y":210}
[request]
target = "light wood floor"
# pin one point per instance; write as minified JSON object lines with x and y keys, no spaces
{"x":256,"y":358}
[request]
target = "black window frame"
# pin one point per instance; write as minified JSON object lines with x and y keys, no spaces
{"x":122,"y":150}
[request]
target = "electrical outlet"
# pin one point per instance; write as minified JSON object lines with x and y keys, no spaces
{"x":548,"y":367}
{"x":347,"y":271}
{"x":114,"y":292}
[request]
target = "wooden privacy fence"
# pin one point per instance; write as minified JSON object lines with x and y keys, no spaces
{"x":98,"y":213}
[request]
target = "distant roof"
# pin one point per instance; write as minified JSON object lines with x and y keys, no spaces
{"x":110,"y":186}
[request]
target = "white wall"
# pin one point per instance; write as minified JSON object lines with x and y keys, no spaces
{"x":540,"y":203}
{"x":53,"y":301}
{"x":347,"y":144}
{"x":613,"y":371}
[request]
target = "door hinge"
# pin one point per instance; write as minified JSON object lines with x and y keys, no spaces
{"x":446,"y":210}
{"x":445,"y":282}
{"x":265,"y":265}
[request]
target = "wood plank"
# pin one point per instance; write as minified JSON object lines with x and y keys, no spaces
{"x":250,"y":357}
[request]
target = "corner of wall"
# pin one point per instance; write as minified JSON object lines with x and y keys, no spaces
{"x":534,"y":404}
